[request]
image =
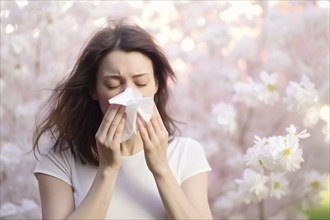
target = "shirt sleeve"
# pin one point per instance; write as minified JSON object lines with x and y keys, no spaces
{"x":56,"y":164}
{"x":195,"y":160}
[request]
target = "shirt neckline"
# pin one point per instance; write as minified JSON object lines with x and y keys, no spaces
{"x":136,"y":155}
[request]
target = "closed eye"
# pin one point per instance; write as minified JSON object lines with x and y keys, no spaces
{"x":112,"y":83}
{"x":141,"y":85}
{"x":113,"y":87}
{"x":141,"y":80}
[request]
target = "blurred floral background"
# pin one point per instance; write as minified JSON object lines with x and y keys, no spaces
{"x":252,"y":87}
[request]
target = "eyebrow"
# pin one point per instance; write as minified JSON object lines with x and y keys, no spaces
{"x":117,"y":76}
{"x":140,"y":74}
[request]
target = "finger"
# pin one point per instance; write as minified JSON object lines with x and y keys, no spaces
{"x":152,"y":127}
{"x":120,"y":129}
{"x":106,"y":121}
{"x":143,"y":132}
{"x":115,"y":122}
{"x":151,"y":130}
{"x":155,"y":123}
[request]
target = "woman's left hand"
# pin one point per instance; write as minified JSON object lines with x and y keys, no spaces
{"x":155,"y":140}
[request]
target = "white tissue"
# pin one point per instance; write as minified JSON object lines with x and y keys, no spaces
{"x":134,"y":103}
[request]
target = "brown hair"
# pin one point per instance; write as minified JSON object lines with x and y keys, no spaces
{"x":73,"y":117}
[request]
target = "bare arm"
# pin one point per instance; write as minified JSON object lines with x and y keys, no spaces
{"x":58,"y":203}
{"x":57,"y":198}
{"x":55,"y":193}
{"x":196,"y":190}
{"x":188,"y":202}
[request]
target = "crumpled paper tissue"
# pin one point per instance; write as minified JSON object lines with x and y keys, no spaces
{"x":135,"y":103}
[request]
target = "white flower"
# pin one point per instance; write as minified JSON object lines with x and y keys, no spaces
{"x":277,"y":153}
{"x":20,"y":70}
{"x":252,"y":187}
{"x":279,"y":185}
{"x":268,"y":91}
{"x":261,"y":154}
{"x":267,"y":156}
{"x":312,"y":116}
{"x":292,"y":130}
{"x":287,"y":155}
{"x":319,"y":113}
{"x":226,"y":116}
{"x":247,"y":92}
{"x":300,"y":95}
{"x":253,"y":93}
{"x":253,"y":156}
{"x":314,"y":183}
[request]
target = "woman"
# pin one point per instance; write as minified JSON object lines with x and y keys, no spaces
{"x":89,"y":173}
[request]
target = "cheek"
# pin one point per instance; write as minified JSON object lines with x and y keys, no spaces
{"x":104,"y":105}
{"x":148,"y":91}
{"x":103,"y":96}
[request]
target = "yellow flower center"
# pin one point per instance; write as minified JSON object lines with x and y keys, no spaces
{"x":316,"y":184}
{"x":50,"y":21}
{"x":18,"y":66}
{"x":286,"y":152}
{"x":271,"y":88}
{"x":276,"y":185}
{"x":260,"y":162}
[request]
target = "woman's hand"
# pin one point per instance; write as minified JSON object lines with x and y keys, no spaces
{"x":155,"y":140}
{"x":109,"y":135}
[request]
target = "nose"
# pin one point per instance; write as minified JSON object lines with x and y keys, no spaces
{"x":126,"y":85}
{"x":123,"y":88}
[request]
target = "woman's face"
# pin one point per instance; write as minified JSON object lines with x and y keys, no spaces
{"x":119,"y":70}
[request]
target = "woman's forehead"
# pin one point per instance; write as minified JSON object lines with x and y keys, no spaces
{"x":121,"y":63}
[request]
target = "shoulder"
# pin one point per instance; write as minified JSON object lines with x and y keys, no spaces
{"x":58,"y":155}
{"x":56,"y":163}
{"x":187,"y":158}
{"x":49,"y":151}
{"x":184,"y":146}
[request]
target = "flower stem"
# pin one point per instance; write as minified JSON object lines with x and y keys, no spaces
{"x":261,"y":210}
{"x":245,"y":127}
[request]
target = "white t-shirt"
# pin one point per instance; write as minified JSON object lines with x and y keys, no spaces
{"x":136,"y":195}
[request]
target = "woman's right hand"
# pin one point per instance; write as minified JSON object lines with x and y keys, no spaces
{"x":109,"y":135}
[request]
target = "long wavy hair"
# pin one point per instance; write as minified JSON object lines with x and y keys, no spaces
{"x":73,"y":117}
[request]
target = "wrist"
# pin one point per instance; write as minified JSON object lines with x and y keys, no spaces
{"x":106,"y":170}
{"x":162,"y":172}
